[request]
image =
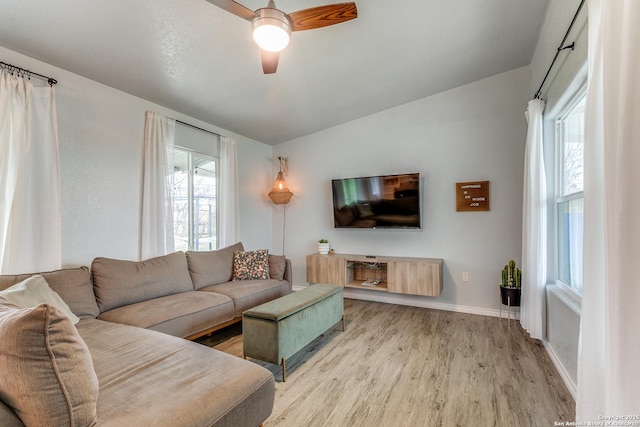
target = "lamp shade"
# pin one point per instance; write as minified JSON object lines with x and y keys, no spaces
{"x":280,"y":194}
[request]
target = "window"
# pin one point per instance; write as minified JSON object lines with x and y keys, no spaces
{"x":194,"y":201}
{"x":569,"y":192}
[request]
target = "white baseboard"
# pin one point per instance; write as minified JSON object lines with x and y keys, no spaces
{"x":566,"y":378}
{"x":400,"y":299}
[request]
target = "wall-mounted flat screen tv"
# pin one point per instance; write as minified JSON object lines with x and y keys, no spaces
{"x":385,"y":201}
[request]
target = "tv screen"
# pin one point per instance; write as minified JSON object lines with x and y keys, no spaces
{"x":385,"y":201}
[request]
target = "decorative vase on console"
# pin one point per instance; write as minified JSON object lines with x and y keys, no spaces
{"x":323,"y":246}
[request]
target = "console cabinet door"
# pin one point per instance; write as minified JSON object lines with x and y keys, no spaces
{"x":415,"y":278}
{"x":326,"y":269}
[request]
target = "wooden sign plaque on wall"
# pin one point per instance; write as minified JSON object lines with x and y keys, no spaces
{"x":472,"y":196}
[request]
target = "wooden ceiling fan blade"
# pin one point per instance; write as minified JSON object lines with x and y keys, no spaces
{"x":235,"y":8}
{"x":269,"y":61}
{"x":323,"y":16}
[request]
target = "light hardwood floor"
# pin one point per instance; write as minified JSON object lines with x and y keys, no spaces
{"x":406,"y":366}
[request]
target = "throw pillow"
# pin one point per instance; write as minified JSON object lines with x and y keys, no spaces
{"x":364,"y":210}
{"x":251,"y":265}
{"x":46,"y":372}
{"x":277,"y":266}
{"x":35,"y":291}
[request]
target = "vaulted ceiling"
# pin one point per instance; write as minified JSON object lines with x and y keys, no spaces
{"x":196,"y":58}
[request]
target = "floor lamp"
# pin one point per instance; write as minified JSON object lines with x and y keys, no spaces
{"x":280,"y":193}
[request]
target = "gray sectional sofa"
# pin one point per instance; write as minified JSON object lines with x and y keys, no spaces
{"x":128,"y":351}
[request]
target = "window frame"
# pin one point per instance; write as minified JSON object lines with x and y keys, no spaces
{"x":559,"y":196}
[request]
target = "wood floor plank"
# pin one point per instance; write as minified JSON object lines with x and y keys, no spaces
{"x":407,"y":366}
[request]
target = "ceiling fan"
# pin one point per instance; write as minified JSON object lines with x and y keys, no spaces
{"x":272,"y":27}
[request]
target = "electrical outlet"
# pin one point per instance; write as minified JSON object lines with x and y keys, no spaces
{"x":465,"y":276}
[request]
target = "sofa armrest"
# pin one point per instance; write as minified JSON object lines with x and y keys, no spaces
{"x":288,"y":275}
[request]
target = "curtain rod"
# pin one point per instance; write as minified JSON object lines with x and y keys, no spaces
{"x":560,"y":48}
{"x":196,"y":127}
{"x":23,"y":71}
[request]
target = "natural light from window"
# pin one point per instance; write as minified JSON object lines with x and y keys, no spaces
{"x":194,"y":201}
{"x":569,"y":200}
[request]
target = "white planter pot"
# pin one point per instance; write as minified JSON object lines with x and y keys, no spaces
{"x":323,"y":248}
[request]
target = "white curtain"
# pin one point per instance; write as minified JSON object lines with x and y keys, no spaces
{"x":228,"y":233}
{"x":157,"y":208}
{"x":608,"y":367}
{"x":534,"y":225}
{"x":30,"y":218}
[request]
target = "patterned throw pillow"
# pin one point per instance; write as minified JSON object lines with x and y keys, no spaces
{"x":250,"y":265}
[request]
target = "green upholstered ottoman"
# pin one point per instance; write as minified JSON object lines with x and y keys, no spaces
{"x":278,"y":329}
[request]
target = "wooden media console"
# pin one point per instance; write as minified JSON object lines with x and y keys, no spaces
{"x":402,"y":275}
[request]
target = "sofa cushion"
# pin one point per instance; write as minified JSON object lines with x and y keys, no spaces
{"x":34,"y":291}
{"x":277,"y":266}
{"x":251,"y":265}
{"x":162,"y":381}
{"x":46,"y":371}
{"x":247,"y":294}
{"x":180,"y":315}
{"x":210,"y":267}
{"x":72,"y":284}
{"x":118,"y":282}
{"x":343,"y":216}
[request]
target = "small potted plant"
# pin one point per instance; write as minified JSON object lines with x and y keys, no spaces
{"x":323,"y":246}
{"x":510,"y":287}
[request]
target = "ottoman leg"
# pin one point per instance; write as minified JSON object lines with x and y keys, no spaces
{"x":284,"y":370}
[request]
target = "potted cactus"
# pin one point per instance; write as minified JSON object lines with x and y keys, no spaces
{"x":510,"y":287}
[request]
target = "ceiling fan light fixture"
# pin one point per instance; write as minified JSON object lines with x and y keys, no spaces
{"x":271,"y":29}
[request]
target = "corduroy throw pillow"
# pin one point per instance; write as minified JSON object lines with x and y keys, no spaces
{"x":46,"y":371}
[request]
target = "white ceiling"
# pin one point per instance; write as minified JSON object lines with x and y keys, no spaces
{"x":193,"y":57}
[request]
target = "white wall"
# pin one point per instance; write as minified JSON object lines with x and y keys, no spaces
{"x":472,"y":133}
{"x":101,"y":140}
